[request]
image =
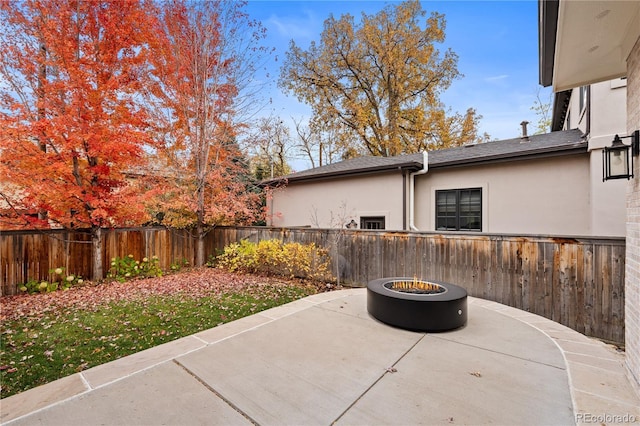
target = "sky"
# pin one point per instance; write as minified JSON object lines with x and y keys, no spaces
{"x":496,"y":43}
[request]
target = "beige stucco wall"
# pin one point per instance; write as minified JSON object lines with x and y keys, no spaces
{"x":334,"y":203}
{"x":608,"y":118}
{"x":549,"y":196}
{"x":608,"y":111}
{"x":608,"y":203}
{"x":545,"y":196}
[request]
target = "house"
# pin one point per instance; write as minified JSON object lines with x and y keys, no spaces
{"x":539,"y":184}
{"x":581,"y":44}
{"x":599,"y":111}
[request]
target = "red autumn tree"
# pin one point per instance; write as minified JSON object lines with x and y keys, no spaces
{"x":71,"y":125}
{"x":203,"y":66}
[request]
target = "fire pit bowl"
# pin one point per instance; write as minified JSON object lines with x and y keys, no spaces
{"x":418,"y":305}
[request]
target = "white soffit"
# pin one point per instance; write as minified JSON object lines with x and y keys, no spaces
{"x":593,"y":41}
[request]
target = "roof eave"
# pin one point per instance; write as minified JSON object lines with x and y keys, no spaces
{"x":547,"y":32}
{"x":343,"y":173}
{"x":581,"y":148}
{"x":560,"y":107}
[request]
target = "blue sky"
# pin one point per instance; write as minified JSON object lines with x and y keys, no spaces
{"x":496,"y":43}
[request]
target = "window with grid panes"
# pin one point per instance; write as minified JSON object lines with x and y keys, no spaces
{"x":372,"y":222}
{"x":459,"y":210}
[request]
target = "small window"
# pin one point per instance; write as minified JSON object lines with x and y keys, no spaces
{"x":583,"y":97}
{"x":372,"y":222}
{"x":459,"y":210}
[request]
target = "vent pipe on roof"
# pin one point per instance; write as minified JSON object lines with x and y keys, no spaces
{"x":525,"y":137}
{"x":412,"y":195}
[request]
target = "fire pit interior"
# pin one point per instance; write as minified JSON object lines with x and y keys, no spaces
{"x":415,"y":286}
{"x":415,"y":304}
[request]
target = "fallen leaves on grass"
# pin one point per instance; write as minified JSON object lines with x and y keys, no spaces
{"x":47,"y":336}
{"x":195,"y":283}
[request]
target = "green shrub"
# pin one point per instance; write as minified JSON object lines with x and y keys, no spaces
{"x":58,"y":280}
{"x":272,"y":257}
{"x":178,"y":265}
{"x":212,"y":260}
{"x":126,"y":268}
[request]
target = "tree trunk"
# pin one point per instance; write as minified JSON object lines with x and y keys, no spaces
{"x":96,"y":249}
{"x":200,"y":225}
{"x":200,"y":245}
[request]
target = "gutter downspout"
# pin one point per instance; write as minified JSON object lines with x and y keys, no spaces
{"x":404,"y":200}
{"x":412,"y":184}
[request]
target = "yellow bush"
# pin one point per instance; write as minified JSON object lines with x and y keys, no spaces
{"x":272,"y":257}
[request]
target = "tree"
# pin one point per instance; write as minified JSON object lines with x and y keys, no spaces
{"x":70,"y":121}
{"x":381,"y":80}
{"x":271,"y":144}
{"x":206,"y":55}
{"x":543,"y":112}
{"x":321,"y":142}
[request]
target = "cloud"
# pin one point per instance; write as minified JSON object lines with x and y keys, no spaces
{"x":496,"y":78}
{"x":305,"y":27}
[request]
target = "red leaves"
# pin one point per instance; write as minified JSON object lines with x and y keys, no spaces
{"x":194,"y":283}
{"x":202,"y":61}
{"x":79,"y":103}
{"x":91,"y":87}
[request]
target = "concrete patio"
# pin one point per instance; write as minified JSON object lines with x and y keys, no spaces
{"x":323,"y":360}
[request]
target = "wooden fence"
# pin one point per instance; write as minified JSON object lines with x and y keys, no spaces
{"x":578,"y":282}
{"x":26,"y":255}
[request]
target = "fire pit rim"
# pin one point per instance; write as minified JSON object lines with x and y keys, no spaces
{"x":432,"y":282}
{"x":453,"y":291}
{"x":418,"y":312}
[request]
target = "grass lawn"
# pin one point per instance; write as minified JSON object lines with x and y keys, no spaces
{"x":48,"y":336}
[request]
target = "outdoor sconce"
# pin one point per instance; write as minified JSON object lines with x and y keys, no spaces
{"x":617,"y":160}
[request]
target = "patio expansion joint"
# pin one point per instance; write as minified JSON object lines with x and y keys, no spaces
{"x":573,"y":388}
{"x":54,"y":403}
{"x":340,"y":312}
{"x":620,"y":363}
{"x":85,"y":381}
{"x":215,"y":392}
{"x":268,"y":320}
{"x":222,"y":339}
{"x":265,"y":313}
{"x":499,"y":352}
{"x":90,"y":388}
{"x":387,"y":371}
{"x":145,"y":368}
{"x":201,"y":340}
{"x":606,"y":398}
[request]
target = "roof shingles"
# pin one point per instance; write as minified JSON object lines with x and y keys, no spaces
{"x":554,"y":143}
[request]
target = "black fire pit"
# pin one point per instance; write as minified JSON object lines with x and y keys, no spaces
{"x":418,"y":305}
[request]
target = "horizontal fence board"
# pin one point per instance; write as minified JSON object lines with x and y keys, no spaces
{"x":578,"y":282}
